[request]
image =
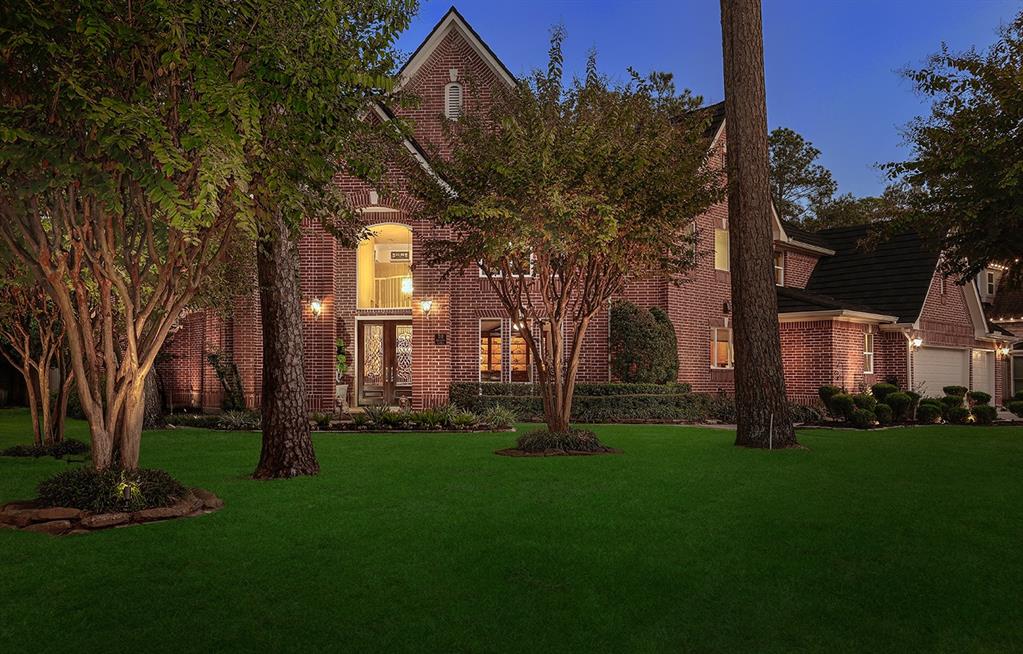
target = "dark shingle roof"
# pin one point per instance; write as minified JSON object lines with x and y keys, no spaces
{"x":791,"y":300}
{"x":797,"y":233}
{"x":892,"y":276}
{"x":717,"y":117}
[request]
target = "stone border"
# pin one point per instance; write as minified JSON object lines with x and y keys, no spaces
{"x":63,"y":521}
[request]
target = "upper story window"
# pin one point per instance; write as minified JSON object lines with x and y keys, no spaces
{"x":453,"y":101}
{"x":779,"y":268}
{"x":721,"y":253}
{"x":990,"y":282}
{"x":384,"y":268}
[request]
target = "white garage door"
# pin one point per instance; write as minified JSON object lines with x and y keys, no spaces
{"x":984,"y":372}
{"x":936,"y":367}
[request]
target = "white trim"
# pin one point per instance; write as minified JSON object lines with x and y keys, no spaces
{"x":500,"y":354}
{"x":778,"y":268}
{"x":452,"y":21}
{"x":844,"y":315}
{"x":714,"y":349}
{"x":868,"y":336}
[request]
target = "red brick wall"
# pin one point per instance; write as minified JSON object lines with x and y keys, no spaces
{"x":798,"y":268}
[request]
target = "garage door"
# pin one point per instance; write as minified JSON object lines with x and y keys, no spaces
{"x":984,"y":372}
{"x":936,"y":367}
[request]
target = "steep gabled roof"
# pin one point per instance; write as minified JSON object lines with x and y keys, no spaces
{"x":797,"y":233}
{"x":453,"y":20}
{"x":892,"y":277}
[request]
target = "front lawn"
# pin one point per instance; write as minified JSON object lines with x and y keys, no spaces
{"x":899,"y":540}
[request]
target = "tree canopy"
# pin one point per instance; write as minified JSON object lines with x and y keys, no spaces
{"x":800,"y":186}
{"x":965,"y":174}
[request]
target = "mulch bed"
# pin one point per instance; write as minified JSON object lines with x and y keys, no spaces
{"x":514,"y":451}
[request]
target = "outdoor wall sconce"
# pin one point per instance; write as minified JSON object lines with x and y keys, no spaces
{"x":916,"y":342}
{"x":406,"y":285}
{"x":426,"y":306}
{"x":1004,"y":351}
{"x":316,"y":307}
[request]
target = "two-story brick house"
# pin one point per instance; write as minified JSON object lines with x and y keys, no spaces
{"x":847,"y":317}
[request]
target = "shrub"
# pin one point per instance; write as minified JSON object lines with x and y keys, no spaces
{"x":805,"y":414}
{"x":194,"y":420}
{"x":952,"y":401}
{"x":954,"y":390}
{"x":465,"y":420}
{"x":575,"y":440}
{"x":914,"y":400}
{"x":322,"y":420}
{"x":826,"y":393}
{"x":239,"y":421}
{"x":865,"y":401}
{"x":722,"y":408}
{"x":360,"y":420}
{"x":842,"y":406}
{"x":376,"y":414}
{"x":884,"y":413}
{"x":104,"y":491}
{"x":59,"y":450}
{"x":958,"y":415}
{"x":499,"y":417}
{"x":1015,"y":408}
{"x":862,"y":419}
{"x":883,"y":390}
{"x":900,"y":404}
{"x":643,"y":345}
{"x":985,"y":414}
{"x":1018,"y":397}
{"x":978,"y":397}
{"x":928,"y":414}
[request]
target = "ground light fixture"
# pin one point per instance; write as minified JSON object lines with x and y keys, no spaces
{"x":426,"y":306}
{"x":316,"y":307}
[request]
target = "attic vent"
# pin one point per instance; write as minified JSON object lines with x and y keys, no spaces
{"x":453,"y":100}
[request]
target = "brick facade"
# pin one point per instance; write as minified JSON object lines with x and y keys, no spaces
{"x":446,"y":346}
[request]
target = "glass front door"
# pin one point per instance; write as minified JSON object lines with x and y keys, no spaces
{"x":385,"y":362}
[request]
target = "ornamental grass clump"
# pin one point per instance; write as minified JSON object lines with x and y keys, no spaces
{"x":110,"y":490}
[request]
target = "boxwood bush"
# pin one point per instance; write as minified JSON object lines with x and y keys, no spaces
{"x":954,"y":390}
{"x":883,"y":412}
{"x":958,"y":415}
{"x":1016,"y":408}
{"x":978,"y":397}
{"x":928,"y":414}
{"x":865,"y":401}
{"x":984,"y":414}
{"x":862,"y":419}
{"x":900,"y":403}
{"x":883,"y":390}
{"x":826,"y":393}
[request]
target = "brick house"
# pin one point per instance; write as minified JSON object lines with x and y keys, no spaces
{"x":847,"y":317}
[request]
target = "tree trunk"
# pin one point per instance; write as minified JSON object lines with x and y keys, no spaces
{"x":153,"y":413}
{"x":287,"y":444}
{"x":129,"y":439}
{"x":761,"y":406}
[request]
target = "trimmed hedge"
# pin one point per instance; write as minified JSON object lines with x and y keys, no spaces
{"x":883,"y":413}
{"x":862,"y":419}
{"x":1016,"y":408}
{"x":954,"y":390}
{"x":978,"y":397}
{"x":883,"y":390}
{"x":984,"y":414}
{"x":958,"y":415}
{"x":928,"y":414}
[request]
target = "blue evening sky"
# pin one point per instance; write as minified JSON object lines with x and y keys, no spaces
{"x":832,"y":65}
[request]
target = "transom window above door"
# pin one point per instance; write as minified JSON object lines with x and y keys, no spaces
{"x":384,"y":268}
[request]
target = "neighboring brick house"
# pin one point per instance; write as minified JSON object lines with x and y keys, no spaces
{"x":1004,"y":308}
{"x":410,"y":332}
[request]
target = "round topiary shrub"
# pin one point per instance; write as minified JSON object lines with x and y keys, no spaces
{"x":928,"y":414}
{"x":984,"y":414}
{"x":883,"y":390}
{"x":883,"y":412}
{"x":952,"y":402}
{"x":978,"y":397}
{"x":865,"y":401}
{"x":826,"y":393}
{"x":900,"y":403}
{"x":107,"y":491}
{"x":1018,"y":397}
{"x":1016,"y":408}
{"x":643,"y":345}
{"x":842,"y":406}
{"x":958,"y":415}
{"x":862,"y":419}
{"x":954,"y":390}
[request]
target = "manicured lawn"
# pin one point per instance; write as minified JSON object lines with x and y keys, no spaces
{"x":908,"y":540}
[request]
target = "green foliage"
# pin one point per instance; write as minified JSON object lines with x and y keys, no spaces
{"x":1018,"y":396}
{"x":883,"y":390}
{"x":1015,"y":408}
{"x":240,"y":420}
{"x":959,"y":391}
{"x":884,"y":414}
{"x":643,"y":345}
{"x":958,"y":415}
{"x":799,"y":185}
{"x":575,"y":440}
{"x":68,"y":446}
{"x":967,"y":154}
{"x":952,"y":401}
{"x":104,"y":491}
{"x":499,"y":417}
{"x":802,"y":413}
{"x":978,"y":397}
{"x":340,"y":358}
{"x":865,"y":401}
{"x":826,"y":393}
{"x":862,"y":419}
{"x":321,"y":420}
{"x":928,"y":413}
{"x":984,"y":414}
{"x":842,"y":405}
{"x":901,"y":404}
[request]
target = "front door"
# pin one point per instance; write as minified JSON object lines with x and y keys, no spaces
{"x":385,"y":361}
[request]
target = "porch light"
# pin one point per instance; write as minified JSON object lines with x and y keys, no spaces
{"x":426,"y":305}
{"x":917,"y":341}
{"x":1004,"y":350}
{"x":316,"y":307}
{"x":406,"y":285}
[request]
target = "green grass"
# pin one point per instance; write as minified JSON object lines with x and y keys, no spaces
{"x":903,"y":541}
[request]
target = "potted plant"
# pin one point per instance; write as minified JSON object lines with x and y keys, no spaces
{"x":340,"y":367}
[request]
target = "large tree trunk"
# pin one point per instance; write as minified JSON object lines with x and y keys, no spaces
{"x":761,"y":407}
{"x":153,"y":413}
{"x":287,"y":444}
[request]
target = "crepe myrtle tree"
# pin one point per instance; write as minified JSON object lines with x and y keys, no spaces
{"x":122,"y":184}
{"x":32,"y":340}
{"x":564,"y":193}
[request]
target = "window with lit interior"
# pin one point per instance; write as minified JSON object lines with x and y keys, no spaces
{"x":490,"y":350}
{"x":721,"y":348}
{"x":384,"y":268}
